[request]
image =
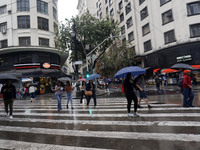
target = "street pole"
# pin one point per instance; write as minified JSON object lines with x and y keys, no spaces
{"x":75,"y":51}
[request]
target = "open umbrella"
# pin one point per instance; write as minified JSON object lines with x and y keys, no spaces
{"x":182,"y":65}
{"x":82,"y":79}
{"x":5,"y":77}
{"x":64,"y":79}
{"x":93,"y":76}
{"x":169,"y":70}
{"x":134,"y":70}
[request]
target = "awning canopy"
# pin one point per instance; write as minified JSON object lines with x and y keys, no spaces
{"x":169,"y":70}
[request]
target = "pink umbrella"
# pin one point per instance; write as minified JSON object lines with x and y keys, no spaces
{"x":83,"y":79}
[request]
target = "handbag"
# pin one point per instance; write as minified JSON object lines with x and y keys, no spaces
{"x":88,"y":93}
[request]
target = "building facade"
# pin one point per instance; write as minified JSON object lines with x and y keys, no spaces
{"x":84,"y":5}
{"x":27,"y":31}
{"x":162,"y":32}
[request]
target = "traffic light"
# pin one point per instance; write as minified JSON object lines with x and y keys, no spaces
{"x":87,"y":75}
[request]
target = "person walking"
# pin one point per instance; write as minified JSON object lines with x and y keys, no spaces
{"x":58,"y":94}
{"x":188,"y":94}
{"x":23,"y":93}
{"x":157,"y":80}
{"x":90,"y":86}
{"x":69,"y":94}
{"x":130,"y":95}
{"x":82,"y":88}
{"x":140,"y":83}
{"x":32,"y":90}
{"x":9,"y":94}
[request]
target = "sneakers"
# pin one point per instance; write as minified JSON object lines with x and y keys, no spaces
{"x":138,"y":106}
{"x":6,"y":114}
{"x":130,"y":115}
{"x":67,"y":106}
{"x":11,"y":117}
{"x":136,"y":114}
{"x":149,"y":106}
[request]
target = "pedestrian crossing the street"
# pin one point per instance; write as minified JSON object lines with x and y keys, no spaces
{"x":40,"y":125}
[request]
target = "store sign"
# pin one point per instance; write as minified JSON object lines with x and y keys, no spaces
{"x":78,"y":63}
{"x":184,"y":58}
{"x":46,"y":65}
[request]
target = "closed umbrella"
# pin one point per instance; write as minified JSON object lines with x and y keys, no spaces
{"x":134,"y":70}
{"x":93,"y":76}
{"x":5,"y":77}
{"x":182,"y":66}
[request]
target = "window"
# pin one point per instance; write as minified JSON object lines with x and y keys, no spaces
{"x":144,"y":13}
{"x":106,"y":1}
{"x":100,"y":7}
{"x":122,"y":30}
{"x":43,"y":24}
{"x":55,"y":2}
{"x":55,"y":26}
{"x":100,"y":16}
{"x":120,"y":5}
{"x":97,"y":5}
{"x":130,"y":37}
{"x":169,"y":37}
{"x":111,"y":13}
{"x":193,"y":8}
{"x":167,"y":17}
{"x":23,"y":5}
{"x":3,"y":27}
{"x":42,"y":7}
{"x":106,"y":10}
{"x":195,"y":30}
{"x":43,"y":42}
{"x":54,"y":13}
{"x":3,"y":44}
{"x":2,"y":10}
{"x":122,"y":17}
{"x":128,"y":8}
{"x":25,"y":58}
{"x":141,"y":1}
{"x":124,"y":41}
{"x":145,"y":29}
{"x":162,"y":2}
{"x":24,"y":41}
{"x":110,"y":2}
{"x":147,"y":46}
{"x":23,"y":22}
{"x":129,"y":22}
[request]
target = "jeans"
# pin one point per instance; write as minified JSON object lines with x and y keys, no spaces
{"x":59,"y":98}
{"x":10,"y":103}
{"x":188,"y":97}
{"x":69,"y":98}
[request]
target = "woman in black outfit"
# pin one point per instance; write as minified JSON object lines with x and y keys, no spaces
{"x":130,"y":94}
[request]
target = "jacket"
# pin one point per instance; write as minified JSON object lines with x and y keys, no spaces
{"x":8,"y":92}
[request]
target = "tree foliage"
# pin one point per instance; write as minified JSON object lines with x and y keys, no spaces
{"x":117,"y":57}
{"x":89,"y":31}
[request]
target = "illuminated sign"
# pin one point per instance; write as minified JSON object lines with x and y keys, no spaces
{"x":184,"y":58}
{"x":46,"y":65}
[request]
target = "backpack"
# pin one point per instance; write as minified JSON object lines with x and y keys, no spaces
{"x":122,"y":89}
{"x":180,"y":82}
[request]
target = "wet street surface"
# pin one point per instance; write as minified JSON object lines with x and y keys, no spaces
{"x":38,"y":125}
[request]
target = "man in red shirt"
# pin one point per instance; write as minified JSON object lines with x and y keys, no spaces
{"x":188,"y":94}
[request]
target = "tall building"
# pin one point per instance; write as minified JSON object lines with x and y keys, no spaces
{"x":27,"y":31}
{"x":84,"y":5}
{"x":162,"y":32}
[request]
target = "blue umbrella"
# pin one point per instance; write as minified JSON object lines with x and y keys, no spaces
{"x":134,"y":70}
{"x":93,"y":76}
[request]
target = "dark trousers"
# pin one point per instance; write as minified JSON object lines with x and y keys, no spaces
{"x":188,"y":97}
{"x":82,"y":94}
{"x":131,"y":97}
{"x":93,"y":96}
{"x":10,"y":103}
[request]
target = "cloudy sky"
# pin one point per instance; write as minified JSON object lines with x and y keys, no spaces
{"x":67,"y":9}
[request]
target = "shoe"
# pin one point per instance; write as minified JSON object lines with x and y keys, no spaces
{"x":72,"y":108}
{"x":130,"y":115}
{"x":149,"y":106}
{"x":67,"y":106}
{"x":192,"y":106}
{"x":95,"y":107}
{"x":7,"y":115}
{"x":136,"y":114}
{"x":87,"y":106}
{"x":138,"y":106}
{"x":11,"y":117}
{"x":80,"y":102}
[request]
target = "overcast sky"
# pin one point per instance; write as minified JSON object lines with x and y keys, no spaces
{"x":67,"y":9}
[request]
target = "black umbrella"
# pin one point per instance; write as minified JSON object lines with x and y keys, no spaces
{"x":5,"y":77}
{"x":182,"y":66}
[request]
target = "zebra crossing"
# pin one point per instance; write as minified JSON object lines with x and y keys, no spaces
{"x":39,"y":125}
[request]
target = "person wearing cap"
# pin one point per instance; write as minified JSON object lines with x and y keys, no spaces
{"x":188,"y":94}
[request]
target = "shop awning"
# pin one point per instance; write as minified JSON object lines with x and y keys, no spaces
{"x":196,"y":66}
{"x":156,"y":70}
{"x":169,"y":70}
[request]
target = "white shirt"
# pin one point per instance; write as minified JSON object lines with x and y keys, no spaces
{"x":32,"y":89}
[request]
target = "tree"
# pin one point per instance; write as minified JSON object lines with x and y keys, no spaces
{"x":117,"y":57}
{"x":89,"y":31}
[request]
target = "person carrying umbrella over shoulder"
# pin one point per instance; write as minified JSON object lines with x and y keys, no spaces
{"x":9,"y":94}
{"x":130,"y":94}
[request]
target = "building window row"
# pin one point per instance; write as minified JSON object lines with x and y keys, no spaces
{"x":26,"y":41}
{"x":2,"y":10}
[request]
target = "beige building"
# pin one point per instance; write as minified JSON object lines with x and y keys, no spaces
{"x":163,"y":32}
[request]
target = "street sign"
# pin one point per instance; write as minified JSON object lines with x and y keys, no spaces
{"x":78,"y":62}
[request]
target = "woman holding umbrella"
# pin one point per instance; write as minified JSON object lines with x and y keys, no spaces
{"x":130,"y":94}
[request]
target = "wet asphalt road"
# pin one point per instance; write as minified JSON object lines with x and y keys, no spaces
{"x":38,"y":125}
